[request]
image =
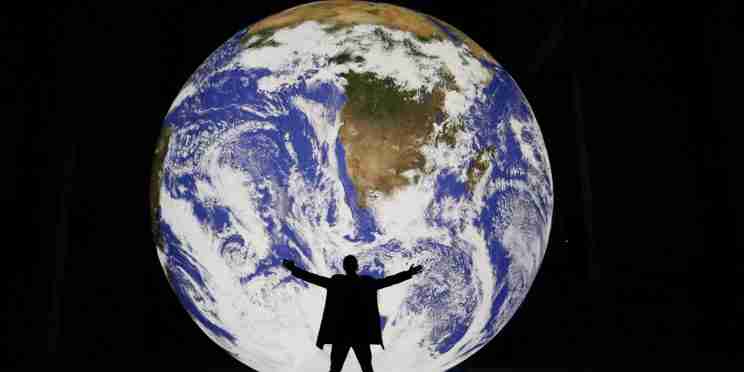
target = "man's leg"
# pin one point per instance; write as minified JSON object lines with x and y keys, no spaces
{"x":338,"y":356}
{"x":364,"y":356}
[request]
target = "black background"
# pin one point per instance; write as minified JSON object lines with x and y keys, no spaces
{"x":629,"y":100}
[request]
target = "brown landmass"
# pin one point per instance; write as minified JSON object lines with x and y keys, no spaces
{"x":340,"y":13}
{"x":384,"y":126}
{"x":479,"y":165}
{"x":383,"y":130}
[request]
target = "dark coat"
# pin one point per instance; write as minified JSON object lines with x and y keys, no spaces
{"x":351,"y":314}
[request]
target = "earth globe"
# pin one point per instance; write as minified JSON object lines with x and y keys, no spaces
{"x":344,"y":127}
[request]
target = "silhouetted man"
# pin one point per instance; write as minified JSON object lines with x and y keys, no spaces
{"x":351,"y":318}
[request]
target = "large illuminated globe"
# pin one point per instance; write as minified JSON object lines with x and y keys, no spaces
{"x":338,"y":128}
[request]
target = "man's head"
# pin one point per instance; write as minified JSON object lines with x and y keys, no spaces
{"x":350,"y":264}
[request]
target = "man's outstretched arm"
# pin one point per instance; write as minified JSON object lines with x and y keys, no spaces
{"x":307,"y":276}
{"x":398,"y":278}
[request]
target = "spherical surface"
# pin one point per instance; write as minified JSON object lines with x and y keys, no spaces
{"x":339,"y":128}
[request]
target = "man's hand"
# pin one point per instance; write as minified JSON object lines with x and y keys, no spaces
{"x":415,"y":269}
{"x":289,"y":264}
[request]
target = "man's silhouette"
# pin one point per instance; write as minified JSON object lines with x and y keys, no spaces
{"x":351,"y":318}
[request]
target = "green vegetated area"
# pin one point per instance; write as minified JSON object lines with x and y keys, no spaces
{"x":380,"y":100}
{"x":264,"y":39}
{"x":338,"y":26}
{"x":428,"y":39}
{"x":345,"y":57}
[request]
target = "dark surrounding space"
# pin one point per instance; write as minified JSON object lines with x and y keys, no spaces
{"x":629,"y":98}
